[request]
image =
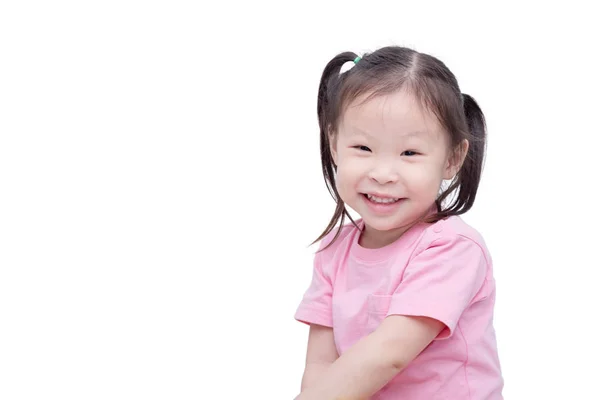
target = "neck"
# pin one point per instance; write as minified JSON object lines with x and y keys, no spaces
{"x":373,"y":239}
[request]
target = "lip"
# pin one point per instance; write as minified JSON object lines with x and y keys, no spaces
{"x":381,"y":195}
{"x":382,"y":208}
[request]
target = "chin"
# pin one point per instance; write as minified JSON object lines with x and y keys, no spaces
{"x":384,"y":226}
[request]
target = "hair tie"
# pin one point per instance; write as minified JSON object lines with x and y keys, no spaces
{"x":356,"y":60}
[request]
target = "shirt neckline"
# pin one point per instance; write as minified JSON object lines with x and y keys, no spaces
{"x":384,"y":253}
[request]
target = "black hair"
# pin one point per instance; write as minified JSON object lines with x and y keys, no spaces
{"x":386,"y":71}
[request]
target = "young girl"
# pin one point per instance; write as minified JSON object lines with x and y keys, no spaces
{"x":401,"y":301}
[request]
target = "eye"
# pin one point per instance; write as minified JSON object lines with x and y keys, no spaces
{"x":362,"y":148}
{"x":409,"y":153}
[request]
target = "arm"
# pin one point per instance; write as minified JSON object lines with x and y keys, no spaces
{"x":320,"y":354}
{"x":374,"y":360}
{"x":438,"y":285}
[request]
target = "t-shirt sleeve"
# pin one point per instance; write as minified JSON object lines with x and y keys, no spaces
{"x":441,"y":281}
{"x":315,"y":307}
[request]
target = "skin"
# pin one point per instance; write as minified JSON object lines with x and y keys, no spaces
{"x":392,"y":148}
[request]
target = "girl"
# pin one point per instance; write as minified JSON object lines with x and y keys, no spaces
{"x":401,"y":301}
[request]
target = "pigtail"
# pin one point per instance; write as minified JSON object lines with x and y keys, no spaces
{"x":383,"y":72}
{"x":468,"y":178}
{"x":327,"y":100}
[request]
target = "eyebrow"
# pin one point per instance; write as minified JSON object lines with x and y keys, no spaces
{"x":358,"y":131}
{"x":416,"y":133}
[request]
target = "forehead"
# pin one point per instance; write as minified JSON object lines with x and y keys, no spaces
{"x":398,"y":113}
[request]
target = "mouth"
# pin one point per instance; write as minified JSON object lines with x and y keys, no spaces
{"x":381,"y":199}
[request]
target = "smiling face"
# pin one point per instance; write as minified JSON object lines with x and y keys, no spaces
{"x":391,"y":157}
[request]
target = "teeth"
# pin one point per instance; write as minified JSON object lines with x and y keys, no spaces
{"x":386,"y":200}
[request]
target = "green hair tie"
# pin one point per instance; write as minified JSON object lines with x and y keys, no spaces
{"x":356,"y":60}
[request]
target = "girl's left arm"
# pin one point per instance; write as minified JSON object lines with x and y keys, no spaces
{"x":374,"y":360}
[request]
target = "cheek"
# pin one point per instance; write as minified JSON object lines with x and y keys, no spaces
{"x":426,"y":178}
{"x":349,"y":172}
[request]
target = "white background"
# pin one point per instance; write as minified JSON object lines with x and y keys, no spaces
{"x":160,"y":185}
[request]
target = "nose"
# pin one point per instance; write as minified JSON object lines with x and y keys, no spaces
{"x":383,"y":173}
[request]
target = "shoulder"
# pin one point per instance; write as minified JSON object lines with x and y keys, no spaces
{"x":453,"y":232}
{"x":338,"y":239}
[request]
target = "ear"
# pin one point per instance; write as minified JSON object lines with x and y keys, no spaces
{"x":333,"y":147}
{"x":456,"y":159}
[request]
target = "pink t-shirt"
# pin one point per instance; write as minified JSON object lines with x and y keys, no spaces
{"x":441,"y":270}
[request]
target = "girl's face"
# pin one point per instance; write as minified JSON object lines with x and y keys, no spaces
{"x":391,"y":157}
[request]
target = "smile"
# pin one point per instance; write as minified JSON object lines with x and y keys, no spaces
{"x":381,"y":200}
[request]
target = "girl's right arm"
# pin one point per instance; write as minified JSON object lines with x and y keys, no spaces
{"x":320,"y":354}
